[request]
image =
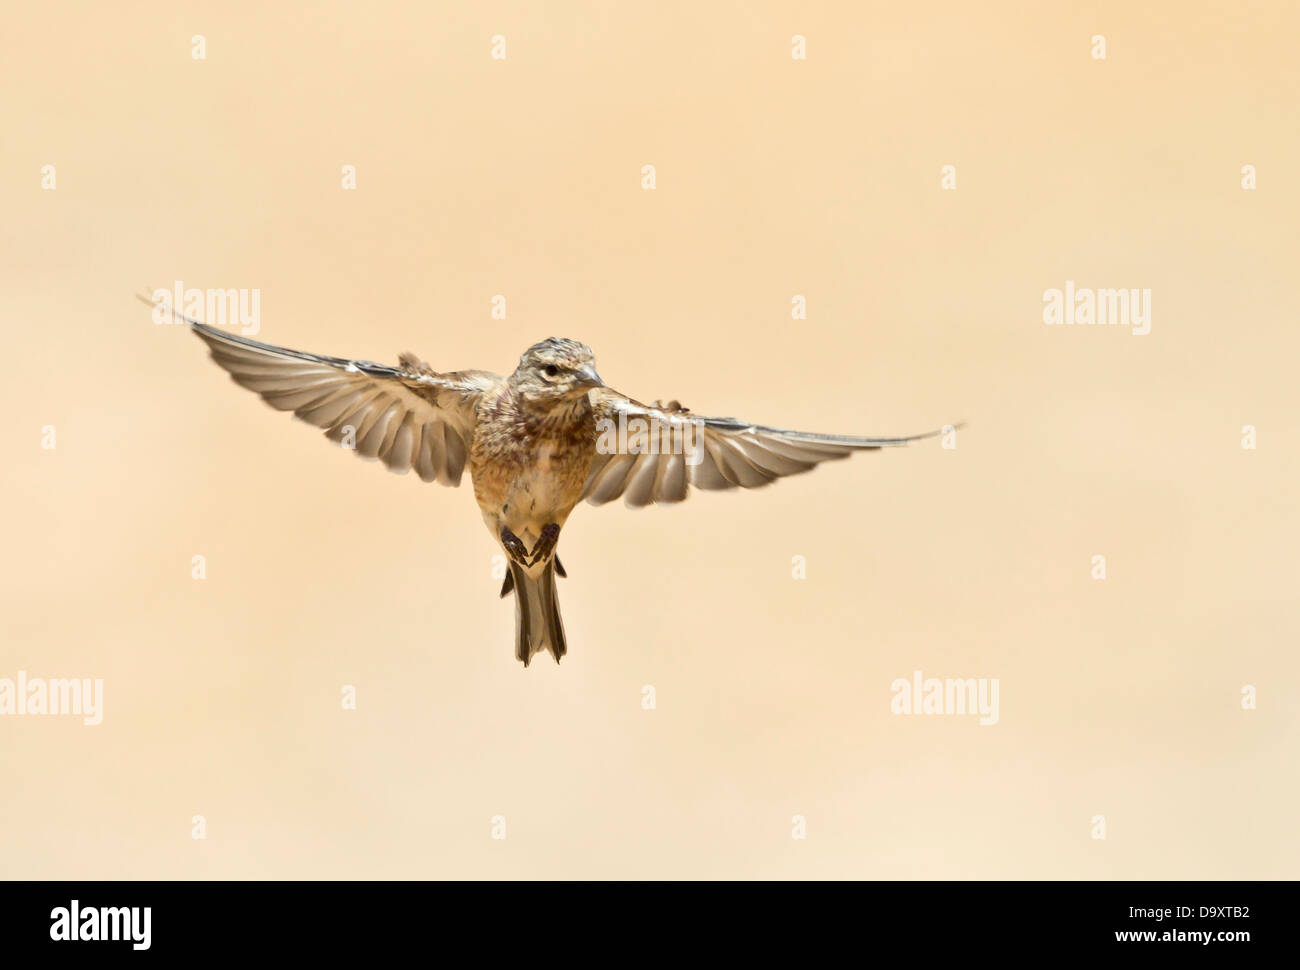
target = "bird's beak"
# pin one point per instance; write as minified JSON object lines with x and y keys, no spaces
{"x":587,"y":377}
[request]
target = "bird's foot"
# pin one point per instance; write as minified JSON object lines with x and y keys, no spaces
{"x":545,"y":543}
{"x":514,"y":547}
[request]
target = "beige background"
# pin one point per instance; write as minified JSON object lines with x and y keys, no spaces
{"x":775,"y":177}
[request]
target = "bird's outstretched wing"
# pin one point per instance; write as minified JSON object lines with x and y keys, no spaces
{"x":406,"y":416}
{"x":653,"y":454}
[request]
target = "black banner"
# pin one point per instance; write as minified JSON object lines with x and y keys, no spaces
{"x":141,"y":920}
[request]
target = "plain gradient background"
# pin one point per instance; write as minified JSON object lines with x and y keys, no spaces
{"x":775,"y":177}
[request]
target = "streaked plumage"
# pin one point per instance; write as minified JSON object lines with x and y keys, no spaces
{"x":531,"y":441}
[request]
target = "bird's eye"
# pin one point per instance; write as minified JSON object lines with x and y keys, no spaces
{"x":550,"y":370}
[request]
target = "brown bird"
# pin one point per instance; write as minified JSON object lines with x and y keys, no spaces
{"x":536,"y":442}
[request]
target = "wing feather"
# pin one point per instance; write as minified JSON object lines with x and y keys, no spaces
{"x":707,"y":453}
{"x":409,"y":416}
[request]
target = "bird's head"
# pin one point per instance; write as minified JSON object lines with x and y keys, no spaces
{"x":556,"y":370}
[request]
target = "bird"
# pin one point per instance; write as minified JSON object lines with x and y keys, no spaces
{"x":536,"y":443}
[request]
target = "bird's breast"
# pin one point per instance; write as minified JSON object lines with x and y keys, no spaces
{"x":527,"y":480}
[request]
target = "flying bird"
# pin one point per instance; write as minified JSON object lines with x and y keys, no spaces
{"x":536,"y":443}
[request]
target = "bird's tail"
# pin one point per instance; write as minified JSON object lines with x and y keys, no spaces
{"x":538,"y":625}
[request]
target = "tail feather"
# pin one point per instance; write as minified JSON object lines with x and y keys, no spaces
{"x":538,"y":625}
{"x":508,"y":586}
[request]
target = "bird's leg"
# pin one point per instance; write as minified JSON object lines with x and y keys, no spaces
{"x":514,"y":546}
{"x":545,"y":543}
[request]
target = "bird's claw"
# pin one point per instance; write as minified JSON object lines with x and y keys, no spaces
{"x":545,"y":543}
{"x":514,"y":547}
